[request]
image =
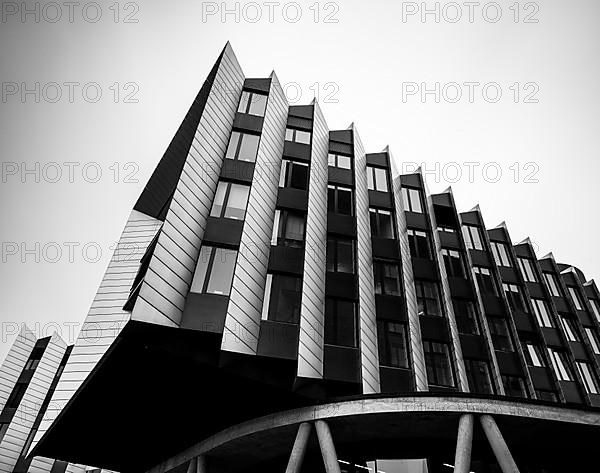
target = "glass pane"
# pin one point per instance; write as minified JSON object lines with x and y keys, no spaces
{"x":415,"y":201}
{"x":285,"y":297}
{"x":344,"y":201}
{"x":302,"y":137}
{"x":381,"y":180}
{"x":299,"y":177}
{"x":258,"y":105}
{"x":233,"y":143}
{"x":345,"y":256}
{"x":221,"y":273}
{"x":249,"y":147}
{"x":340,"y":323}
{"x":374,"y":224}
{"x":397,"y":343}
{"x":201,"y":267}
{"x":386,"y":228}
{"x":344,"y":162}
{"x":219,"y":199}
{"x":391,"y":280}
{"x":294,"y":227}
{"x":331,"y":159}
{"x":289,"y":134}
{"x":330,"y":254}
{"x":370,"y":179}
{"x":236,"y":204}
{"x":331,"y":199}
{"x":244,"y":102}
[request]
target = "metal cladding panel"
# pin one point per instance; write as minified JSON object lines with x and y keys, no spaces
{"x":366,"y":287}
{"x":162,"y":295}
{"x":459,"y":362}
{"x":410,"y":293}
{"x":16,"y":435}
{"x":106,"y":316}
{"x":14,"y":362}
{"x":242,"y":322}
{"x":310,"y":346}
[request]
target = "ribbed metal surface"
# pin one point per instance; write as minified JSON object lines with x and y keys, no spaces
{"x":14,"y":362}
{"x":366,"y":287}
{"x":310,"y":347}
{"x":162,"y":295}
{"x":242,"y":323}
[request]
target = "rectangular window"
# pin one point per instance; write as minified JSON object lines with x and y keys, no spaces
{"x":574,"y":293}
{"x":288,"y":229}
{"x":339,"y":161}
{"x":500,"y":334}
{"x":587,"y":376}
{"x":466,"y":317}
{"x":16,"y":395}
{"x":569,"y":328}
{"x":285,"y":295}
{"x":478,"y":375}
{"x":214,"y":271}
{"x":253,"y":103}
{"x":386,"y":276}
{"x":411,"y":200}
{"x":514,"y":386}
{"x":419,"y":244}
{"x":377,"y":179}
{"x":533,"y":354}
{"x":34,"y":358}
{"x":527,"y":269}
{"x":340,"y":322}
{"x":393,"y":344}
{"x":297,"y":136}
{"x":428,"y":298}
{"x":242,"y":146}
{"x":595,"y":308}
{"x":340,"y":255}
{"x":593,"y":340}
{"x":382,"y":225}
{"x":500,"y":254}
{"x":230,"y":201}
{"x":514,"y":297}
{"x":339,"y":200}
{"x":445,"y":229}
{"x":542,"y":313}
{"x":545,"y":395}
{"x":294,"y":175}
{"x":472,"y":237}
{"x":454,"y":263}
{"x":485,"y":281}
{"x":560,"y":365}
{"x":437,"y":362}
{"x":552,"y":284}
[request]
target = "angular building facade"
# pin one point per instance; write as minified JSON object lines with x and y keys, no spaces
{"x":293,"y":304}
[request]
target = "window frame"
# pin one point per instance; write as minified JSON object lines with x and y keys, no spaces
{"x":543,"y":317}
{"x":481,"y":277}
{"x":246,"y":105}
{"x":569,"y":328}
{"x":336,"y":191}
{"x":575,"y":297}
{"x":225,"y":207}
{"x":470,"y":315}
{"x":374,"y":178}
{"x":515,"y":298}
{"x":552,"y":284}
{"x":527,"y":269}
{"x":472,"y":242}
{"x":334,"y":157}
{"x":333,"y":254}
{"x":593,"y":339}
{"x":413,"y":236}
{"x":533,"y":353}
{"x":286,"y":175}
{"x":386,"y":347}
{"x":560,"y":364}
{"x":422,"y":297}
{"x":377,"y":213}
{"x":473,"y":377}
{"x":380,"y":277}
{"x":445,"y":355}
{"x":450,"y":263}
{"x":207,"y":273}
{"x":500,"y":254}
{"x":494,"y":322}
{"x":294,"y":135}
{"x":590,"y":382}
{"x":335,"y":301}
{"x":521,"y":382}
{"x":412,"y":200}
{"x":280,"y":229}
{"x":273,"y":294}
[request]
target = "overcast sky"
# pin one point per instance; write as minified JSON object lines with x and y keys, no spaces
{"x":367,"y":62}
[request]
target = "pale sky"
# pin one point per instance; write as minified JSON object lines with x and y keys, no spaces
{"x":359,"y":67}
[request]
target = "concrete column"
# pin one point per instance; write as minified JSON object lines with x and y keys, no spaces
{"x":201,"y":464}
{"x":501,"y":451}
{"x":327,"y":447}
{"x":464,"y":442}
{"x":297,"y":456}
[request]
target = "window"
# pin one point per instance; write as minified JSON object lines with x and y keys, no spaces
{"x":3,"y":429}
{"x":500,"y":254}
{"x":587,"y":376}
{"x":513,"y":386}
{"x":542,"y":314}
{"x":576,"y":298}
{"x":377,"y":179}
{"x":437,"y":361}
{"x":242,"y":146}
{"x":500,"y":334}
{"x":34,"y":358}
{"x":339,"y":200}
{"x":382,"y":225}
{"x":214,"y":272}
{"x":16,"y":395}
{"x":466,"y":317}
{"x":293,"y":175}
{"x":445,"y":229}
{"x":515,"y":297}
{"x":340,"y":161}
{"x":545,"y":395}
{"x":533,"y":354}
{"x":552,"y":284}
{"x":253,"y":103}
{"x":284,"y":294}
{"x":485,"y":281}
{"x":340,"y":322}
{"x":297,"y":136}
{"x":428,"y":298}
{"x":593,"y":340}
{"x":527,"y":270}
{"x":569,"y":328}
{"x":472,"y":237}
{"x":340,"y":255}
{"x":595,"y":308}
{"x":453,"y":263}
{"x":387,"y":278}
{"x":393,"y":344}
{"x":230,"y":201}
{"x":478,"y":375}
{"x":288,"y":229}
{"x":411,"y":200}
{"x":419,"y":244}
{"x":560,"y":365}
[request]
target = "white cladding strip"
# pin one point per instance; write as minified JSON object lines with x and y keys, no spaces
{"x":15,"y":362}
{"x":242,"y":323}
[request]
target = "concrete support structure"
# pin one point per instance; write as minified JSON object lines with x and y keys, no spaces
{"x":501,"y":451}
{"x":327,"y":447}
{"x":299,"y":449}
{"x":464,"y":443}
